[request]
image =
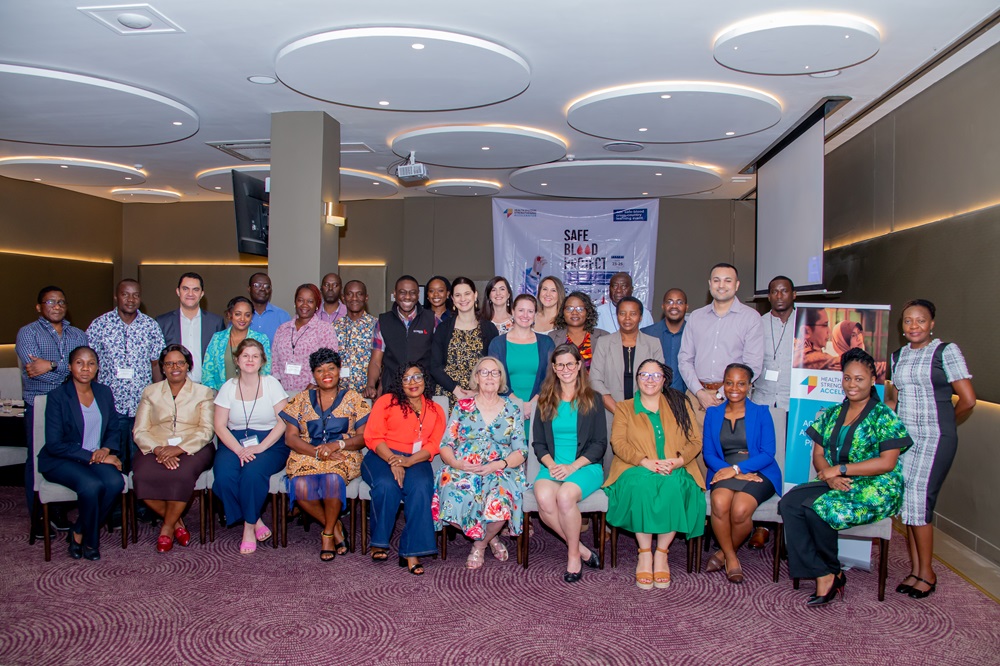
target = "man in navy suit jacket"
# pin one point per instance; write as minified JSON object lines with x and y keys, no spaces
{"x":189,"y":325}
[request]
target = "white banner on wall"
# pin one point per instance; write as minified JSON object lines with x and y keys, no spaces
{"x":583,"y":243}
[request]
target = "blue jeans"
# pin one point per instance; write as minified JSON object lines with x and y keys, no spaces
{"x":418,"y":537}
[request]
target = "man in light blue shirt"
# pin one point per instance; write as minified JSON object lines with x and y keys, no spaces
{"x":266,"y":317}
{"x":619,"y":287}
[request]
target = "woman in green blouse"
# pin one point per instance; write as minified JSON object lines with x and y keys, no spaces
{"x":859,"y":478}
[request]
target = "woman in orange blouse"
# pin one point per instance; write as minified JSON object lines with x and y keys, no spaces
{"x":404,"y":433}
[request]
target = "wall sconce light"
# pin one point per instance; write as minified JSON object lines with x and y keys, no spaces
{"x":334,"y":213}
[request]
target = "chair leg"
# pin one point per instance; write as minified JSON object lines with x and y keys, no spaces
{"x":201,"y":517}
{"x":364,"y":527}
{"x":47,"y":537}
{"x":795,"y":583}
{"x":690,"y":554}
{"x":527,"y":545}
{"x":353,"y":523}
{"x":614,"y":546}
{"x":698,"y":553}
{"x":283,"y":519}
{"x":125,"y":505}
{"x":779,"y":537}
{"x":883,"y":567}
{"x":444,"y":543}
{"x":274,"y":520}
{"x":133,"y":520}
{"x":210,"y":514}
{"x":603,"y":538}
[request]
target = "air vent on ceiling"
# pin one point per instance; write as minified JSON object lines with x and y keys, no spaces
{"x":137,"y":19}
{"x":258,"y":150}
{"x":355,"y":147}
{"x":623,"y":147}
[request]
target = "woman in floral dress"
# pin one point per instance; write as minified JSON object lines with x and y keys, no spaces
{"x":481,"y":485}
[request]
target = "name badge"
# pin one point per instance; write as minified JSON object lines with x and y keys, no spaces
{"x":293,"y":369}
{"x":345,"y":372}
{"x":126,"y":373}
{"x":247,"y":442}
{"x":771,"y":375}
{"x":417,"y":445}
{"x":174,"y":441}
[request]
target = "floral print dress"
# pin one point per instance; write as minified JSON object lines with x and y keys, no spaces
{"x":469,"y":500}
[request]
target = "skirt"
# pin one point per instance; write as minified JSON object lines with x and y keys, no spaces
{"x":643,"y":502}
{"x":761,"y":490}
{"x":589,"y":478}
{"x":153,"y":481}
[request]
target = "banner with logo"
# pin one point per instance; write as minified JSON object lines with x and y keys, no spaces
{"x":822,"y":334}
{"x":583,"y":243}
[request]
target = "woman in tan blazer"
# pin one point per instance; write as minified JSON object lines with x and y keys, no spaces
{"x":617,"y":355}
{"x":655,"y":485}
{"x":173,"y":430}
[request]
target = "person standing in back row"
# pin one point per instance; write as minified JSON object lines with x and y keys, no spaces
{"x":333,"y":307}
{"x":402,"y":335}
{"x":189,"y":325}
{"x":607,"y":312}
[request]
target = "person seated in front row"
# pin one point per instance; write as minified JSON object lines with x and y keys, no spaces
{"x":481,"y":485}
{"x":81,"y":449}
{"x":404,"y":433}
{"x":859,"y":478}
{"x":174,"y":426}
{"x":655,"y":485}
{"x":324,"y":428}
{"x":252,"y":438}
{"x":739,"y":451}
{"x":569,"y":436}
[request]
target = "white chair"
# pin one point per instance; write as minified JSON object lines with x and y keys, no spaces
{"x":596,"y":503}
{"x":47,"y":492}
{"x":10,"y":387}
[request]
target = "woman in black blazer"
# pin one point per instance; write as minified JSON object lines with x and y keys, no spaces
{"x":569,"y":438}
{"x":81,"y":449}
{"x":459,"y":342}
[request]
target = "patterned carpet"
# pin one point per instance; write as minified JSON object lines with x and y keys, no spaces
{"x":210,"y":605}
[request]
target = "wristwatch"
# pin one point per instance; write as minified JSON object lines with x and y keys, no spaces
{"x":843,"y":470}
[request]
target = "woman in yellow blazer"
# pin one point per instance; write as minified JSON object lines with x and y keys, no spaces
{"x":655,"y":485}
{"x":173,"y":430}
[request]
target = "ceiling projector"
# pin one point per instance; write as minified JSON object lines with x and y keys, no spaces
{"x":413,"y":171}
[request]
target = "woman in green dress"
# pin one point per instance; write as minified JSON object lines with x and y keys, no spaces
{"x":569,"y":437}
{"x":655,"y":485}
{"x":524,"y":355}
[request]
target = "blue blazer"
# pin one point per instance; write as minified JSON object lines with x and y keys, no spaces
{"x":498,"y":349}
{"x":760,"y":442}
{"x":64,"y":425}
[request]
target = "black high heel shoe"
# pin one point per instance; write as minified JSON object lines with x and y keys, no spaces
{"x":75,"y":549}
{"x":839,"y":584}
{"x":922,"y":594}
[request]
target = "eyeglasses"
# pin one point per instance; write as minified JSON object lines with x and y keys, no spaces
{"x":674,"y":301}
{"x":654,"y":376}
{"x":261,"y":285}
{"x":413,"y":379}
{"x":489,"y":373}
{"x":174,"y":364}
{"x":53,"y":302}
{"x":574,"y":308}
{"x":565,"y":366}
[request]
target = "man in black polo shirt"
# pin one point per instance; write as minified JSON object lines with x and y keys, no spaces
{"x":403,"y":334}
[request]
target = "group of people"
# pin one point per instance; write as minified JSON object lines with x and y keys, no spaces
{"x":690,"y":401}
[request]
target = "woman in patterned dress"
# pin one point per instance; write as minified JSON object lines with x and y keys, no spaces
{"x":860,"y":478}
{"x":480,"y":487}
{"x":220,"y":355}
{"x":925,"y":373}
{"x":498,"y":304}
{"x":575,"y":324}
{"x":324,"y":428}
{"x":459,"y":342}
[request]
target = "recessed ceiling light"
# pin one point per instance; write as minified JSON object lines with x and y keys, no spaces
{"x":807,"y":66}
{"x":659,"y":174}
{"x":375,"y":182}
{"x":736,"y":48}
{"x":134,"y":21}
{"x":262,"y":80}
{"x":178,"y":123}
{"x":545,"y":184}
{"x":847,"y":36}
{"x":643,"y":129}
{"x":730,"y":133}
{"x":218,"y":187}
{"x":645,"y":193}
{"x":128,"y":177}
{"x":664,"y":96}
{"x":384,"y":102}
{"x":486,"y":147}
{"x":63,"y":166}
{"x":38,"y":179}
{"x":417,"y":46}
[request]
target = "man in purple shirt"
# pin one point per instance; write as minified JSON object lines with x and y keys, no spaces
{"x":333,"y":308}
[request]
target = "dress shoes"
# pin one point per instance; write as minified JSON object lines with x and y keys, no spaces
{"x":75,"y":549}
{"x":593,"y":561}
{"x":91,"y":554}
{"x":571,"y":577}
{"x":164,"y":543}
{"x":759,"y":538}
{"x":183,"y":536}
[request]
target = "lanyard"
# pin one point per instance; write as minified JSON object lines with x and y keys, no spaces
{"x":246,"y":417}
{"x":782,"y":337}
{"x":421,"y":416}
{"x":292,"y":336}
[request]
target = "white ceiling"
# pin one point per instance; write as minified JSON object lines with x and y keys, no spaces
{"x":537,"y":81}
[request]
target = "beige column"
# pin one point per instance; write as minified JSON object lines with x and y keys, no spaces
{"x":305,"y":172}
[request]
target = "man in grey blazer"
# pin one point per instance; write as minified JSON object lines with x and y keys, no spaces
{"x":617,"y":356}
{"x":189,"y":325}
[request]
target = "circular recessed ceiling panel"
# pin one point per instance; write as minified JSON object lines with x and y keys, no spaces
{"x":614,"y":179}
{"x":415,"y":69}
{"x":354,"y":185}
{"x":674,"y":112}
{"x":86,"y":111}
{"x":463,"y":187}
{"x":480,"y":146}
{"x":140,"y":195}
{"x":797,"y":43}
{"x":70,"y":171}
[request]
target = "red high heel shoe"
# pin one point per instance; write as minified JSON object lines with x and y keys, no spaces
{"x":183,"y":536}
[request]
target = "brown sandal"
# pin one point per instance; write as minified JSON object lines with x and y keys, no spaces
{"x":661,"y":579}
{"x":644,"y":579}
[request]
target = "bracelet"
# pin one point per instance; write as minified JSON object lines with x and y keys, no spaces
{"x":504,"y":461}
{"x":343,"y":445}
{"x":317,"y":453}
{"x":737,"y":468}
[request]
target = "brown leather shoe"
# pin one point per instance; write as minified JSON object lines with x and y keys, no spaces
{"x":758,"y":539}
{"x":716,"y":562}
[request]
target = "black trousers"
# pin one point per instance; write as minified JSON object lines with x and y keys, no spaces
{"x":811,"y":542}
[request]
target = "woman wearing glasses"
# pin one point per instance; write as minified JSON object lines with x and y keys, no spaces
{"x":220,"y":355}
{"x":569,"y":438}
{"x":173,"y":430}
{"x":404,"y":433}
{"x":655,"y":485}
{"x":576,"y":324}
{"x":481,"y":484}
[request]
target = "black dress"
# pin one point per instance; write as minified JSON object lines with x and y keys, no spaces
{"x":733,"y":438}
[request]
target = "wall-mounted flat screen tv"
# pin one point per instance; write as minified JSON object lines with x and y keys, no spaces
{"x":251,"y":199}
